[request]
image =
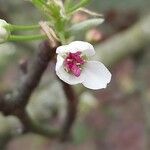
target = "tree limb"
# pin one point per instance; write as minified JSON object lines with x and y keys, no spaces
{"x":125,"y":43}
{"x":72,"y":103}
{"x":16,"y":102}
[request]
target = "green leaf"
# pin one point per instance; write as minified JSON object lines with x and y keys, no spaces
{"x":75,"y":7}
{"x":43,"y":7}
{"x":85,"y":25}
{"x":39,"y":3}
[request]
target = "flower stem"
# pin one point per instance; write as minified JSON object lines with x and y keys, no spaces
{"x":22,"y":27}
{"x":26,"y":37}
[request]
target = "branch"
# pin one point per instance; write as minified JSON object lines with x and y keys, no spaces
{"x":15,"y":103}
{"x":31,"y":126}
{"x":125,"y":43}
{"x":20,"y":97}
{"x":72,"y":103}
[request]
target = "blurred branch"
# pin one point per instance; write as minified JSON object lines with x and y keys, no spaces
{"x":31,"y":126}
{"x":16,"y":102}
{"x":20,"y":97}
{"x":125,"y":43}
{"x":72,"y":102}
{"x":142,"y":80}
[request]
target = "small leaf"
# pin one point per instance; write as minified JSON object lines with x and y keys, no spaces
{"x":38,"y":3}
{"x":75,"y":7}
{"x":85,"y":25}
{"x":42,"y":6}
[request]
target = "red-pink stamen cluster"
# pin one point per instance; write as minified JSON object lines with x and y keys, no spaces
{"x":73,"y":63}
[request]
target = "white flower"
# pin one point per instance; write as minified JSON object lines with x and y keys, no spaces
{"x":4,"y":33}
{"x":73,"y":66}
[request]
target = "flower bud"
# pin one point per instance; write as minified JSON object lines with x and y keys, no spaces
{"x":4,"y":33}
{"x":79,"y":17}
{"x":94,"y":36}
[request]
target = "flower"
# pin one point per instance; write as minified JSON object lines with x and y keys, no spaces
{"x":73,"y":66}
{"x":4,"y":33}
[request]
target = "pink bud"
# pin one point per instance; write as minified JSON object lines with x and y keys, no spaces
{"x":94,"y":36}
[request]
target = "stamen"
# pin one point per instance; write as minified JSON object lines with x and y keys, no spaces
{"x":69,"y":60}
{"x":73,"y":63}
{"x":78,"y":64}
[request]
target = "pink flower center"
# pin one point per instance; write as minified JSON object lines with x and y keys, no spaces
{"x":73,"y":63}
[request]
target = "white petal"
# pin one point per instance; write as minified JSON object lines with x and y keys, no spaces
{"x":97,"y":76}
{"x":3,"y":23}
{"x":3,"y":32}
{"x":63,"y":75}
{"x":3,"y":35}
{"x":59,"y":63}
{"x":62,"y":49}
{"x":84,"y":47}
